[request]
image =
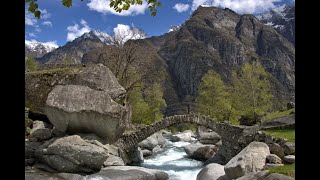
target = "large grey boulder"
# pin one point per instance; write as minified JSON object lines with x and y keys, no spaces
{"x":200,"y":151}
{"x":79,"y":109}
{"x":276,"y":176}
{"x":99,"y":77}
{"x":152,"y":141}
{"x":209,"y":137}
{"x":212,"y":172}
{"x":72,"y":154}
{"x":251,"y":159}
{"x":95,"y":76}
{"x":129,"y":173}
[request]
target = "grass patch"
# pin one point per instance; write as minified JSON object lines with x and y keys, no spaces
{"x":278,"y":114}
{"x":282,"y":133}
{"x":287,"y":169}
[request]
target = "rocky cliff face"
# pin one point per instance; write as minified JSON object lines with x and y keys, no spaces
{"x":222,"y":40}
{"x":282,"y":19}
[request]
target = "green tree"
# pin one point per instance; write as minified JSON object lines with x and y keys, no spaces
{"x":251,"y":90}
{"x":31,"y":64}
{"x":117,"y":5}
{"x":155,"y":100}
{"x":214,"y":99}
{"x":141,"y":112}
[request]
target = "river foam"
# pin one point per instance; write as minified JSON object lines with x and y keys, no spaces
{"x":174,"y":161}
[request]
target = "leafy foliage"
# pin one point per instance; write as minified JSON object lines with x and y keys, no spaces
{"x":214,"y":98}
{"x":154,"y":97}
{"x":31,"y":64}
{"x":117,"y":5}
{"x":251,"y":90}
{"x":146,"y":110}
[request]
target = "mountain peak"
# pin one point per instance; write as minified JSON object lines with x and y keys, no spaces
{"x":38,"y":49}
{"x":97,"y":35}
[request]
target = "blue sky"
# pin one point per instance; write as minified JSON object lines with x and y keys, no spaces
{"x":59,"y":22}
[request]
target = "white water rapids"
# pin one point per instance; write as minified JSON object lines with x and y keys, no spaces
{"x":174,"y":161}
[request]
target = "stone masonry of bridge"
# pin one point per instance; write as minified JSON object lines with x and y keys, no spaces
{"x":234,"y":138}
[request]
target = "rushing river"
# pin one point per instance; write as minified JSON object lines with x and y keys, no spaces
{"x":174,"y":161}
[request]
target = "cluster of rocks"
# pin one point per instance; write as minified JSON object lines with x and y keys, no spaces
{"x":250,"y":164}
{"x":85,"y":119}
{"x":153,"y":144}
{"x":206,"y":146}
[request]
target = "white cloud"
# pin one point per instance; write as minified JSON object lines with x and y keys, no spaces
{"x":181,"y":7}
{"x":31,"y":34}
{"x":103,"y":7}
{"x":30,"y":20}
{"x":44,"y":14}
{"x":47,"y":23}
{"x":75,"y":30}
{"x":38,"y":30}
{"x":239,"y":6}
{"x":125,"y":32}
{"x":33,"y":42}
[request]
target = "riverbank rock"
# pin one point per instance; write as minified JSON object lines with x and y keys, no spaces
{"x":276,"y":176}
{"x":107,"y":173}
{"x":276,"y":149}
{"x":209,"y":137}
{"x":166,"y":134}
{"x":274,"y":159}
{"x":289,"y":148}
{"x":79,"y":109}
{"x":289,"y":159}
{"x":255,"y":176}
{"x":200,"y":151}
{"x":129,"y":173}
{"x":146,"y":152}
{"x":72,"y":154}
{"x":40,"y":131}
{"x":186,"y":136}
{"x":152,"y":141}
{"x":212,"y":172}
{"x":251,"y":159}
{"x":113,"y":161}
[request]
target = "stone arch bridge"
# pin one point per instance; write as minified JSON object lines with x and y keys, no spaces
{"x":234,"y":138}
